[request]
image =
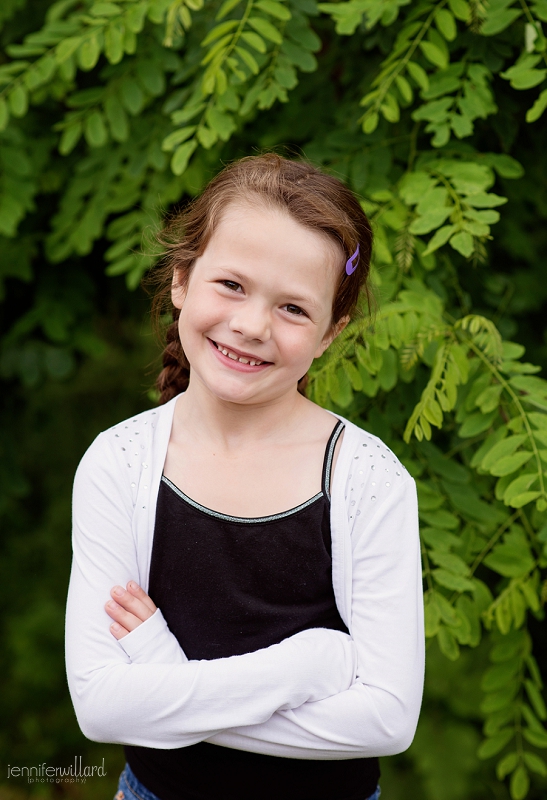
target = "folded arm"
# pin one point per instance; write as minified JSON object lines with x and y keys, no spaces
{"x":378,"y":714}
{"x":174,"y":702}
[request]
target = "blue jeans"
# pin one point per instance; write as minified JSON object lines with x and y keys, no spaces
{"x":130,"y":788}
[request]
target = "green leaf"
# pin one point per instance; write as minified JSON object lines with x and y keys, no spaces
{"x":495,"y":701}
{"x":299,"y":56}
{"x":95,"y":130}
{"x":105,"y":9}
{"x":432,"y":199}
{"x":519,"y":784}
{"x":340,"y":388}
{"x":477,"y":423}
{"x":449,"y":561}
{"x":353,"y":374}
{"x":113,"y":43}
{"x":70,"y":138}
{"x":370,"y":122}
{"x":534,"y":113}
{"x":437,"y":111}
{"x":214,"y":54}
{"x":451,"y":581}
{"x":419,"y":74}
{"x":274,"y":9}
{"x":468,"y":178}
{"x":265,"y":29}
{"x":505,"y":165}
{"x":448,"y":644}
{"x":490,"y":747}
{"x":483,"y":200}
{"x":460,"y":9}
{"x":429,"y":221}
{"x":535,"y":738}
{"x":404,"y":88}
{"x":528,"y":78}
{"x":498,"y":21}
{"x":181,"y":156}
{"x":89,"y":53}
{"x":226,"y":7}
{"x":523,"y":499}
{"x":507,"y":764}
{"x":4,"y":114}
{"x":432,"y":616}
{"x":512,"y":558}
{"x":502,"y":449}
{"x":132,"y":96}
{"x":463,"y":243}
{"x":489,"y":399}
{"x":536,"y":700}
{"x":434,"y":54}
{"x":151,"y":77}
{"x":248,"y":59}
{"x":178,"y":136}
{"x":223,"y":124}
{"x":519,"y":485}
{"x":396,"y":330}
{"x":206,"y":137}
{"x":470,"y":611}
{"x":18,"y":101}
{"x":531,"y":719}
{"x":187,"y":113}
{"x":220,"y":31}
{"x":66,"y":48}
{"x":498,"y":675}
{"x":387,"y":374}
{"x":390,"y":108}
{"x":117,"y":119}
{"x":509,"y":464}
{"x":535,"y":763}
{"x":440,"y":519}
{"x":256,"y":42}
{"x":446,"y":24}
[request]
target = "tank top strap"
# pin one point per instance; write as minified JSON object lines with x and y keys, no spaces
{"x":329,"y":453}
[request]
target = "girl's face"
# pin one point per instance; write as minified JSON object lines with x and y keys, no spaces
{"x":257,"y":307}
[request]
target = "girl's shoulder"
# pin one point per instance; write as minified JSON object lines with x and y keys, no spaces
{"x":129,"y":443}
{"x":369,"y":470}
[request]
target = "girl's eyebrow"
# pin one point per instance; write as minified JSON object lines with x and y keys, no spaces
{"x":293,"y":297}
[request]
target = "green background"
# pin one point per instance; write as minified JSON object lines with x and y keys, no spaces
{"x":92,"y":156}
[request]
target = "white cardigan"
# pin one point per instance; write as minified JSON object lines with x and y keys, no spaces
{"x":320,"y":694}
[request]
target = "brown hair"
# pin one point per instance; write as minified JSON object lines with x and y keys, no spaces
{"x":315,"y":200}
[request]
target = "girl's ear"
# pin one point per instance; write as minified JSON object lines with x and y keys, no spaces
{"x":178,"y":289}
{"x":331,"y":335}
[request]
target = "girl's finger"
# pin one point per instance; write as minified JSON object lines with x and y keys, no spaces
{"x":130,"y":603}
{"x":140,"y":594}
{"x":121,"y":616}
{"x":118,"y":631}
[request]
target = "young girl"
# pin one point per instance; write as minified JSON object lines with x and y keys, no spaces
{"x":264,"y":633}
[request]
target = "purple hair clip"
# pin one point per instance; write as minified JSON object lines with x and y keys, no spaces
{"x":350,"y":265}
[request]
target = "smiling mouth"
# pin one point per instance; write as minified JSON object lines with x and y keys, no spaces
{"x":251,"y":360}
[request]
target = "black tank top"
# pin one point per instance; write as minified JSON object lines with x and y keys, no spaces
{"x":231,"y":585}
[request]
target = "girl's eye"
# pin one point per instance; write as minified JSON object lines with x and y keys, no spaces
{"x":296,"y":310}
{"x":231,"y":285}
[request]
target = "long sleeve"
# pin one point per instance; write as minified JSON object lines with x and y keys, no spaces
{"x":378,"y":714}
{"x":168,"y":705}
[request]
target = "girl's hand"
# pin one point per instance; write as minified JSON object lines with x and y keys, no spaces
{"x":128,"y":608}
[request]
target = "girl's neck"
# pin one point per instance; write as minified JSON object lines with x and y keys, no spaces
{"x":235,"y":427}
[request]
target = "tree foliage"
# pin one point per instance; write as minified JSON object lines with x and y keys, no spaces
{"x":111,"y":112}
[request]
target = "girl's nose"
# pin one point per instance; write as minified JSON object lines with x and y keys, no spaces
{"x":252,"y":321}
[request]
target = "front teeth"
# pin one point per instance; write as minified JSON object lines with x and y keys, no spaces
{"x":241,"y":359}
